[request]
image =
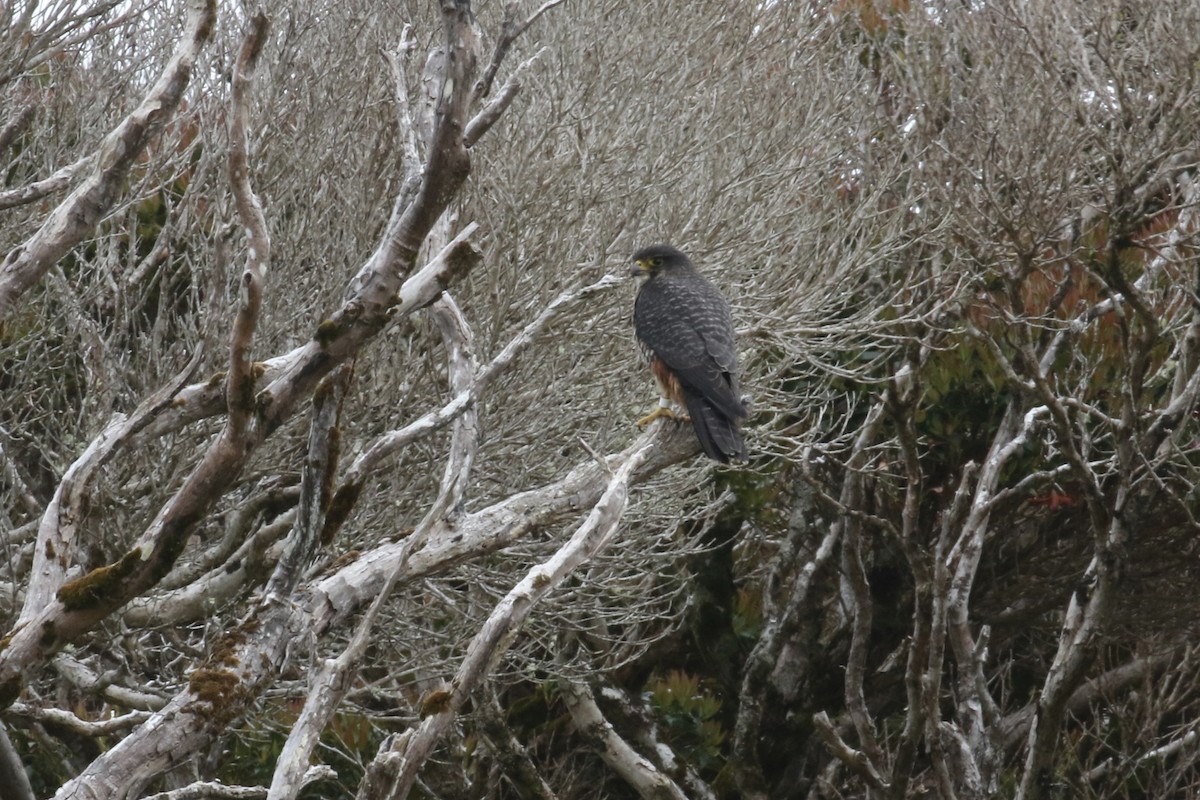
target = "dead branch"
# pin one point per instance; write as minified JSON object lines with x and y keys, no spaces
{"x":219,"y":692}
{"x":763,"y":657}
{"x":204,"y":790}
{"x":59,"y":180}
{"x":86,"y":680}
{"x":12,"y":771}
{"x":646,"y":733}
{"x":856,"y":760}
{"x":83,"y":727}
{"x":77,"y":215}
{"x":500,"y":737}
{"x":639,"y":772}
{"x":239,"y":383}
{"x":511,"y":29}
{"x":63,"y":518}
{"x":371,"y":299}
{"x":487,"y":116}
{"x":330,"y":684}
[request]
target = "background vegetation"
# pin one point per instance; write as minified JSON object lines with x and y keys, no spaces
{"x":390,"y":528}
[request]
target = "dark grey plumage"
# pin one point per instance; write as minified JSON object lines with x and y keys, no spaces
{"x":685,"y":325}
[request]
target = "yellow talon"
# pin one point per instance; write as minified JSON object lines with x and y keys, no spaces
{"x":659,"y":411}
{"x":662,"y":411}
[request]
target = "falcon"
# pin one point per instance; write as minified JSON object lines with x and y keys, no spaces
{"x":686,"y":331}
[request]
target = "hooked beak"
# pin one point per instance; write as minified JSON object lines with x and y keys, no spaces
{"x":639,"y":269}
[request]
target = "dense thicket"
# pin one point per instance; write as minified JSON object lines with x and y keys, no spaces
{"x":317,"y":446}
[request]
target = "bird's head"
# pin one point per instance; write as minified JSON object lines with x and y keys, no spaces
{"x":649,"y":261}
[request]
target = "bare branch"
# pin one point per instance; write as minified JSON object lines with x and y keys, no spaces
{"x":463,"y":400}
{"x":511,"y":29}
{"x":239,"y":384}
{"x":16,"y":125}
{"x":204,"y":790}
{"x":638,"y":771}
{"x":64,"y":516}
{"x":83,"y":727}
{"x":482,"y":122}
{"x":646,"y":734}
{"x":31,"y":193}
{"x":1187,"y":741}
{"x":404,"y":116}
{"x":254,"y":653}
{"x":325,"y":691}
{"x":330,"y":684}
{"x":12,"y":473}
{"x":85,"y":679}
{"x":497,"y":525}
{"x":300,"y":547}
{"x":251,"y":563}
{"x":78,"y":214}
{"x":500,"y":737}
{"x":765,"y":654}
{"x":854,"y":759}
{"x":12,"y":771}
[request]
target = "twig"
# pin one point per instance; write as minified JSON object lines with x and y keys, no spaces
{"x":511,"y":28}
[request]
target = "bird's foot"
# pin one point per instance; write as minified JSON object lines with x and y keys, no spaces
{"x":661,"y":411}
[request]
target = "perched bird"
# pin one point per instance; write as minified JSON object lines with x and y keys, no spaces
{"x":686,"y":329}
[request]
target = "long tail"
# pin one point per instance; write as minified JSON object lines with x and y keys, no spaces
{"x":718,"y":434}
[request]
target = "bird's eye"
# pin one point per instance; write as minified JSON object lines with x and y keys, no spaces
{"x":655,"y":261}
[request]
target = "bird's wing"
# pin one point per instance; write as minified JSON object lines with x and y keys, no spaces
{"x":686,"y":323}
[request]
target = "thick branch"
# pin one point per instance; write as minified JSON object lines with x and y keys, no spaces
{"x":495,"y":526}
{"x":61,"y":523}
{"x":752,"y":697}
{"x":82,"y":727}
{"x":239,"y":383}
{"x":16,"y":126}
{"x":634,"y":712}
{"x":215,"y":790}
{"x":853,"y":488}
{"x":12,"y":771}
{"x":329,"y":686}
{"x":321,"y":454}
{"x":635,"y":769}
{"x":371,"y":301}
{"x":482,"y":122}
{"x":520,"y":769}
